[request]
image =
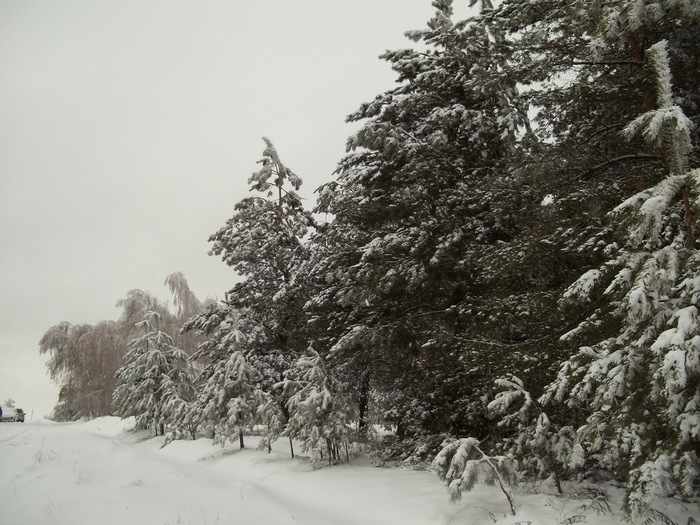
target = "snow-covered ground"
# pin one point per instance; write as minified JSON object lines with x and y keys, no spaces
{"x":97,"y":472}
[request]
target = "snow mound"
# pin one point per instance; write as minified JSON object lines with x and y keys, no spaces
{"x":99,"y":472}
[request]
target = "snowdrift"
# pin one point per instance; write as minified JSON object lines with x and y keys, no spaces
{"x":100,"y":472}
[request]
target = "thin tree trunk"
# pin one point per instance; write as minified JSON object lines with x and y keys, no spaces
{"x":363,"y":405}
{"x":505,"y":491}
{"x":637,"y":53}
{"x":689,"y":219}
{"x":557,"y":477}
{"x":291,"y":447}
{"x":240,"y":439}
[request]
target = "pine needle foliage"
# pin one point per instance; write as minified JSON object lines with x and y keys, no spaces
{"x":321,"y":414}
{"x":641,"y":385}
{"x":154,"y":374}
{"x":462,"y":464}
{"x":255,"y":335}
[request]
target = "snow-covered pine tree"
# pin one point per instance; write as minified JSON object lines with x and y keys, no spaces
{"x":321,"y":414}
{"x":230,"y":399}
{"x":583,"y":65}
{"x":154,"y":371}
{"x":223,"y":327}
{"x":219,"y":325}
{"x":263,"y":243}
{"x":424,"y":187}
{"x":545,"y":449}
{"x":274,"y":421}
{"x":640,"y":385}
{"x":180,"y":411}
{"x":178,"y":396}
{"x":462,"y":463}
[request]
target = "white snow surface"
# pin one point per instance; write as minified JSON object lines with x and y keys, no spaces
{"x":101,"y":472}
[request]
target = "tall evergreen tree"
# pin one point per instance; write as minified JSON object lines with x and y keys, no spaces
{"x":154,"y":372}
{"x":612,"y":131}
{"x":424,"y":188}
{"x":229,"y":399}
{"x":218,"y":325}
{"x":262,"y":316}
{"x":262,"y":242}
{"x":641,"y":383}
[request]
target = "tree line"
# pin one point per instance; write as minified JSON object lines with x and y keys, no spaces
{"x":84,"y":358}
{"x":511,"y":260}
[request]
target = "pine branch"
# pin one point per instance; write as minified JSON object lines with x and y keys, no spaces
{"x":505,"y":344}
{"x":609,"y":63}
{"x":621,"y":158}
{"x":439,"y":155}
{"x":604,"y":129}
{"x":689,"y":219}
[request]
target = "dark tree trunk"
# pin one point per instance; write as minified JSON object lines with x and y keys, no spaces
{"x":363,"y":404}
{"x":689,"y":219}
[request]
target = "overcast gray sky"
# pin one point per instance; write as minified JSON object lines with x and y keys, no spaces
{"x":128,"y":129}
